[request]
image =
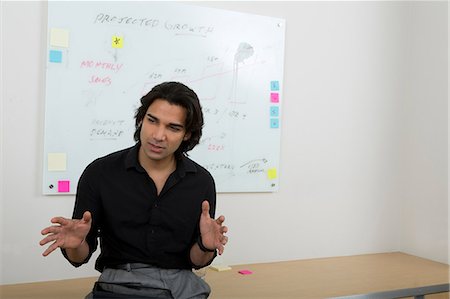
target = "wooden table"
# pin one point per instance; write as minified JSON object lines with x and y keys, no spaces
{"x":314,"y":278}
{"x":328,"y":277}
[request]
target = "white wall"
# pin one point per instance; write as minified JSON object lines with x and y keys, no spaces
{"x":424,"y":159}
{"x":364,"y":139}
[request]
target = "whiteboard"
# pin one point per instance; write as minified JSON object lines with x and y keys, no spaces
{"x":102,"y":57}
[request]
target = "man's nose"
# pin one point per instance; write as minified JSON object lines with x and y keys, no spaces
{"x":159,"y":133}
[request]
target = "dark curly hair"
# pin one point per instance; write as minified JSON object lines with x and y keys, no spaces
{"x":178,"y":94}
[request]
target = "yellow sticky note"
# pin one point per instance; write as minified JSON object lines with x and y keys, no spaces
{"x":57,"y":162}
{"x":220,"y":268}
{"x":272,"y":173}
{"x":59,"y":37}
{"x":117,"y":41}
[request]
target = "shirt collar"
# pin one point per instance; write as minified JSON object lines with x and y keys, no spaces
{"x":131,"y":160}
{"x":184,"y":165}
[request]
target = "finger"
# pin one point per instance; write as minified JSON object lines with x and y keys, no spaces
{"x":51,"y":230}
{"x":224,"y":229}
{"x":50,"y":249}
{"x":47,"y":239}
{"x":60,"y":220}
{"x":220,"y":220}
{"x":220,"y":249}
{"x":46,"y":230}
{"x":224,"y":240}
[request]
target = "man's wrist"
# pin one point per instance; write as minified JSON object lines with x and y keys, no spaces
{"x":201,"y":246}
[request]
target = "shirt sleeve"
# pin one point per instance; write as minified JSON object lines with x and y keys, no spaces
{"x":88,"y":199}
{"x":211,"y":197}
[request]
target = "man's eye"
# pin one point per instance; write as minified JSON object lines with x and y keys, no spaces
{"x":175,"y":129}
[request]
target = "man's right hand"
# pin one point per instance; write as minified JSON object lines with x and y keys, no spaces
{"x":67,"y":233}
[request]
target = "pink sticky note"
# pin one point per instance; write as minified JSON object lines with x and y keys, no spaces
{"x":245,"y":272}
{"x":63,"y":186}
{"x":274,"y":97}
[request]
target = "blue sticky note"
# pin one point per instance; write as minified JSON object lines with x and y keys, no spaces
{"x":274,"y":85}
{"x":55,"y":56}
{"x":274,"y":123}
{"x":274,"y":111}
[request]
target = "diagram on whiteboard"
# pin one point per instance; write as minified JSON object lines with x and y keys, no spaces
{"x":102,"y":59}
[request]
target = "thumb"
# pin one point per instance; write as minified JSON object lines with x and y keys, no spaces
{"x":205,"y":208}
{"x":87,"y":217}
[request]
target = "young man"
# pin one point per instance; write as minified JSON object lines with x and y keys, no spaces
{"x":150,"y":205}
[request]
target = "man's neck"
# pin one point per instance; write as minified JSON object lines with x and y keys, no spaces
{"x":158,"y":170}
{"x":167,"y":164}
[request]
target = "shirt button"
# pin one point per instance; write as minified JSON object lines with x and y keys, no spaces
{"x":155,"y":206}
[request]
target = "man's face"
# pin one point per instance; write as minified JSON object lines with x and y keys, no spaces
{"x":163,"y":130}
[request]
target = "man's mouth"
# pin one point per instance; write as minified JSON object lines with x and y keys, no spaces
{"x":155,"y":148}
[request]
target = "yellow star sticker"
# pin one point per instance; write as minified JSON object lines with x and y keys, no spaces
{"x":117,"y":42}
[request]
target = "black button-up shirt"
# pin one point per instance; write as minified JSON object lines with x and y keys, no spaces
{"x":133,"y":222}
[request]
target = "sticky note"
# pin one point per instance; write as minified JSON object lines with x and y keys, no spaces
{"x":55,"y":56}
{"x":63,"y":186}
{"x":245,"y":272}
{"x":59,"y":37}
{"x":117,"y":42}
{"x":274,"y":85}
{"x":220,"y":268}
{"x":274,"y":97}
{"x":274,"y":111}
{"x":272,"y":173}
{"x":56,"y":162}
{"x":274,"y":123}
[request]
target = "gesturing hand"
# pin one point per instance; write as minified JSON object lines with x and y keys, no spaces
{"x":212,"y":231}
{"x":68,"y":233}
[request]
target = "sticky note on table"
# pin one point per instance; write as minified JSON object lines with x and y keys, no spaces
{"x":117,"y":41}
{"x":220,"y":268}
{"x":59,"y":37}
{"x":56,"y":162}
{"x":63,"y":186}
{"x":245,"y":272}
{"x":272,"y":173}
{"x":55,"y":56}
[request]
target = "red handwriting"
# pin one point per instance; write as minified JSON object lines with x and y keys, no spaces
{"x":115,"y":67}
{"x":216,"y":147}
{"x":97,"y":80}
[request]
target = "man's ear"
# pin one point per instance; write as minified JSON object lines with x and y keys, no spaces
{"x":187,"y":136}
